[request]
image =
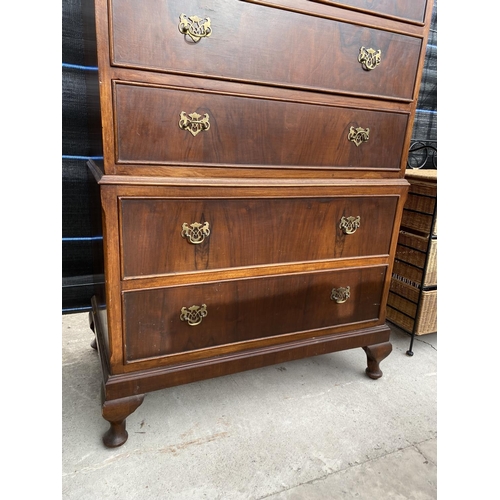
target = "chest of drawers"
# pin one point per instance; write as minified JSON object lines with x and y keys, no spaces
{"x":252,"y":184}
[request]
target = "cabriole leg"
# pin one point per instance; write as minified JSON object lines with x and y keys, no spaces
{"x":375,"y":354}
{"x":115,"y":412}
{"x":93,"y":344}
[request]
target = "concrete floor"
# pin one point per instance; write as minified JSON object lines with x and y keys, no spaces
{"x":317,"y":428}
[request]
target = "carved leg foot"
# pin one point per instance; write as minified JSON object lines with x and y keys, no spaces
{"x":93,"y":344}
{"x":375,"y":354}
{"x":115,"y":412}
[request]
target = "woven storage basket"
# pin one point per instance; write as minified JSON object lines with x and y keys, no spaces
{"x":418,"y":203}
{"x":417,"y":222}
{"x":412,"y":249}
{"x":403,"y":310}
{"x":421,"y":202}
{"x":407,"y":307}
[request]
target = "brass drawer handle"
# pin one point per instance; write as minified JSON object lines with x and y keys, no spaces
{"x":349,"y":224}
{"x":340,"y":295}
{"x":369,"y":58}
{"x":196,"y":232}
{"x":193,"y":123}
{"x":195,"y":27}
{"x":358,"y":135}
{"x":194,"y":314}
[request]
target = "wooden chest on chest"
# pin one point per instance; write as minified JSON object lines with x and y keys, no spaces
{"x":252,"y":185}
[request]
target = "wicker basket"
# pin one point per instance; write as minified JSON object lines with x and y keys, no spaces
{"x":412,"y":249}
{"x":427,"y":175}
{"x":403,"y":309}
{"x":419,"y":223}
{"x":421,"y":202}
{"x":412,"y":303}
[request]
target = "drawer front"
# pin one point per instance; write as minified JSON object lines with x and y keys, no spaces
{"x":178,"y":319}
{"x":162,"y":236}
{"x":249,"y":42}
{"x":159,"y":125}
{"x":413,"y":10}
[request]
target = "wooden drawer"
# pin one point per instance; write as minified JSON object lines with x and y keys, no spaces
{"x":250,"y":42}
{"x":413,"y":10}
{"x":246,"y":131}
{"x":247,"y":232}
{"x":157,"y":321}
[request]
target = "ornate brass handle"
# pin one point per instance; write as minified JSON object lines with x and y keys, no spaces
{"x":358,"y":135}
{"x":195,"y":27}
{"x":194,"y":314}
{"x":340,"y":295}
{"x":196,"y":232}
{"x":193,"y":123}
{"x":369,"y":58}
{"x":349,"y":224}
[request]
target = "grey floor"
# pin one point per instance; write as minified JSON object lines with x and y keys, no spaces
{"x":317,"y":428}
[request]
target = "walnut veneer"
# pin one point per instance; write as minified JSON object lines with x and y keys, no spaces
{"x":252,"y":185}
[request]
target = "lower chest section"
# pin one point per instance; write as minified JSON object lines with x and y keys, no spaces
{"x":204,"y":270}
